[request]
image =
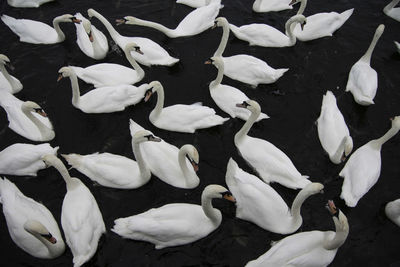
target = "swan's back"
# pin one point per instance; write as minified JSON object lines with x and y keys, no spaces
{"x":362,"y":82}
{"x":260,"y":34}
{"x":271,"y":5}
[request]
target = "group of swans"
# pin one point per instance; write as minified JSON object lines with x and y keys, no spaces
{"x":8,"y":82}
{"x":27,"y":3}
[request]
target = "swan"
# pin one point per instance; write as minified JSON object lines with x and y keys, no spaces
{"x":194,"y":23}
{"x":264,"y":35}
{"x":30,"y":224}
{"x":112,"y":170}
{"x":305,"y":249}
{"x":363,"y":80}
{"x":391,"y":11}
{"x":176,"y":167}
{"x":226,"y":97}
{"x":392,"y":211}
{"x":103,"y":99}
{"x":27,"y":3}
{"x":26,"y":118}
{"x":24,"y":159}
{"x":175,"y":224}
{"x":242,"y":67}
{"x":153,"y":53}
{"x":332,"y":130}
{"x":81,"y":218}
{"x":90,"y":40}
{"x":110,"y":74}
{"x":271,"y":5}
{"x":397,"y":44}
{"x":259,"y":203}
{"x":7,"y":81}
{"x":180,"y":117}
{"x":271,"y":164}
{"x":363,"y":168}
{"x":321,"y":24}
{"x":36,"y":32}
{"x":196,"y":3}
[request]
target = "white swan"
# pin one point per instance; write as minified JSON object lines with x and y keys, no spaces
{"x":110,"y":74}
{"x":30,"y":224}
{"x":332,"y":130}
{"x":7,"y":81}
{"x":180,"y":117}
{"x":24,"y":159}
{"x":81,"y":218}
{"x":392,"y":211}
{"x":26,"y":118}
{"x":175,"y":224}
{"x":196,"y":3}
{"x":264,"y":35}
{"x":269,"y":162}
{"x":363,"y":80}
{"x":391,"y":11}
{"x":271,"y":5}
{"x":153,"y":53}
{"x":397,"y":44}
{"x":27,"y":3}
{"x":242,"y":67}
{"x":112,"y":170}
{"x":90,"y":40}
{"x":260,"y":204}
{"x":171,"y":165}
{"x":305,"y":249}
{"x":36,"y":32}
{"x":226,"y":97}
{"x":103,"y":99}
{"x":363,"y":168}
{"x":321,"y":24}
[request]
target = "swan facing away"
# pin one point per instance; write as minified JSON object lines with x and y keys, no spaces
{"x":30,"y":224}
{"x":36,"y":32}
{"x":112,"y":170}
{"x":260,"y":204}
{"x":81,"y":218}
{"x":392,"y":211}
{"x":175,"y":224}
{"x":391,"y":11}
{"x":180,"y":117}
{"x":8,"y":82}
{"x":332,"y":130}
{"x":24,"y":159}
{"x":363,"y":168}
{"x":27,"y":3}
{"x":305,"y":249}
{"x":271,"y":5}
{"x":271,"y":164}
{"x":363,"y":80}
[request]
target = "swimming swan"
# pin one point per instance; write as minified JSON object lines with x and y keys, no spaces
{"x":196,"y":3}
{"x":260,"y":204}
{"x":8,"y":82}
{"x":363,"y":80}
{"x":180,"y":117}
{"x":271,"y":5}
{"x":271,"y":164}
{"x":175,"y":224}
{"x":392,"y":211}
{"x":112,"y":170}
{"x":332,"y":130}
{"x":81,"y":218}
{"x":27,"y":3}
{"x":363,"y":168}
{"x":391,"y":11}
{"x":153,"y":53}
{"x":31,"y":225}
{"x":36,"y":32}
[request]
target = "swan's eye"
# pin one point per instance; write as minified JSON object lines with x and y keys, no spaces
{"x":228,"y":196}
{"x":47,"y":236}
{"x":137,"y":48}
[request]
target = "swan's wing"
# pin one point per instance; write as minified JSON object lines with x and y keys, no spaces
{"x":101,"y":38}
{"x":134,"y":127}
{"x":226,"y":97}
{"x":271,"y":5}
{"x":362,"y":81}
{"x":260,"y":34}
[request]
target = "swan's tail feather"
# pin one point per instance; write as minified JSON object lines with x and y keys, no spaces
{"x":230,"y":172}
{"x":134,"y":127}
{"x":235,"y":29}
{"x":345,"y":15}
{"x":73,"y":159}
{"x":55,"y":150}
{"x":279,"y":73}
{"x":121,"y":227}
{"x":8,"y":20}
{"x":80,"y":260}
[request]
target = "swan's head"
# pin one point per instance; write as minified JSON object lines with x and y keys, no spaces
{"x":33,"y":107}
{"x":217,"y":191}
{"x":251,"y":105}
{"x":4,"y":59}
{"x":133,"y":47}
{"x":339,"y":218}
{"x":153,"y":87}
{"x":314,"y":188}
{"x":50,"y":160}
{"x":396,"y":122}
{"x":298,"y":19}
{"x":216,"y":61}
{"x":87,"y":26}
{"x":130,"y":20}
{"x":37,"y":229}
{"x":69,"y":18}
{"x":91,"y":12}
{"x":143,"y":136}
{"x":65,"y":72}
{"x":220,"y":21}
{"x":192,"y":155}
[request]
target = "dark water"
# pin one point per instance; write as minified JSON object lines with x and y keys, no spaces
{"x":293,"y":103}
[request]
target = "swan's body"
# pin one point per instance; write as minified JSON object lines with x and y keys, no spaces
{"x":8,"y":82}
{"x":363,"y":80}
{"x":242,"y":67}
{"x":259,"y":203}
{"x":90,"y":40}
{"x":153,"y":53}
{"x":196,"y":3}
{"x":194,"y":23}
{"x":173,"y":166}
{"x":27,"y":3}
{"x":104,"y":99}
{"x":36,"y":32}
{"x":269,"y":162}
{"x":175,"y":224}
{"x":114,"y":170}
{"x":81,"y":218}
{"x":363,"y":168}
{"x":24,"y":159}
{"x":26,"y":118}
{"x":392,"y":211}
{"x":180,"y":117}
{"x":332,"y":130}
{"x":30,"y":224}
{"x":271,"y":5}
{"x":226,"y":97}
{"x":264,"y":35}
{"x":391,"y":11}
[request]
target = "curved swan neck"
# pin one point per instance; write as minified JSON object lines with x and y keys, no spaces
{"x":224,"y":40}
{"x":303,"y":4}
{"x":114,"y":34}
{"x":212,"y":213}
{"x":133,"y":62}
{"x":246,"y":127}
{"x":75,"y":89}
{"x":190,"y":180}
{"x":341,"y":233}
{"x":220,"y":75}
{"x":144,"y":170}
{"x":337,"y":157}
{"x":155,"y":25}
{"x":160,"y":100}
{"x":389,"y":134}
{"x":43,"y":129}
{"x":378,"y":33}
{"x":54,"y":249}
{"x":57,"y":163}
{"x":7,"y":76}
{"x":391,"y":5}
{"x":289,"y":27}
{"x":297,"y":203}
{"x":56,"y":25}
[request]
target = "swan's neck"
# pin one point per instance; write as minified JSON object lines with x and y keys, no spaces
{"x":224,"y":40}
{"x":190,"y":179}
{"x":302,"y":7}
{"x":97,"y":49}
{"x":56,"y":25}
{"x":220,"y":76}
{"x":144,"y":171}
{"x":160,"y":102}
{"x":43,"y":129}
{"x":64,"y":173}
{"x":296,"y":206}
{"x":246,"y":127}
{"x":75,"y":90}
{"x":155,"y":25}
{"x":134,"y":64}
{"x":391,"y":5}
{"x":7,"y":76}
{"x":339,"y":238}
{"x":367,"y":56}
{"x":389,"y":134}
{"x":337,"y":157}
{"x":54,"y":249}
{"x":212,"y":213}
{"x":114,"y":34}
{"x":289,"y":27}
